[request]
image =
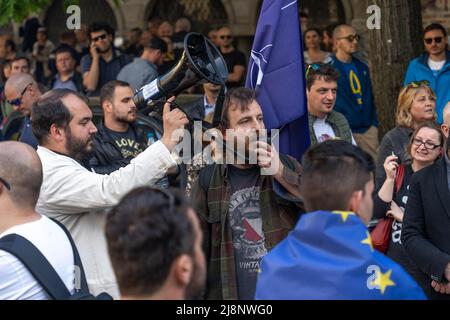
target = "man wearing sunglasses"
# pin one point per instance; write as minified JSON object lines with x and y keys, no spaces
{"x":21,"y":91}
{"x":433,"y":65}
{"x":234,"y":59}
{"x":104,"y":62}
{"x":354,"y":97}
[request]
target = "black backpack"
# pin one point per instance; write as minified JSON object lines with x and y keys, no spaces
{"x":43,"y":271}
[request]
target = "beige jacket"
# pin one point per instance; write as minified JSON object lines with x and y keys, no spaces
{"x":79,"y":199}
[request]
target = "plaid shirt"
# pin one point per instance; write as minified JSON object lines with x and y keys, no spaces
{"x":279,"y":212}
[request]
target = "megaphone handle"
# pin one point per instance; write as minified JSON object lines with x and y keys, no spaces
{"x":177,"y":106}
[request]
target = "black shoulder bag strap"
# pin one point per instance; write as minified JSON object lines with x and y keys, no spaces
{"x":40,"y":268}
{"x":37,"y":264}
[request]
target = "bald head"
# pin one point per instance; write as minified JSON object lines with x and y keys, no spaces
{"x":21,"y":167}
{"x":23,"y":86}
{"x":183,"y":24}
{"x":346,"y":42}
{"x":19,"y":81}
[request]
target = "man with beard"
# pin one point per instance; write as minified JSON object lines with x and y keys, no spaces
{"x":21,"y":91}
{"x":118,"y":139}
{"x":433,"y":66}
{"x":155,"y":245}
{"x":245,"y":208}
{"x":104,"y":62}
{"x":77,"y":197}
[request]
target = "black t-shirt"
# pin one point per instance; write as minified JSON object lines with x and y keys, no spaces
{"x":127,"y":143}
{"x":234,"y":58}
{"x":246,"y":225}
{"x":178,"y":44}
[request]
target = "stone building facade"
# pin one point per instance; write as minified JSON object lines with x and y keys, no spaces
{"x":241,"y":15}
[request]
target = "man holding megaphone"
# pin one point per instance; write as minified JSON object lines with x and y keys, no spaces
{"x":77,"y":197}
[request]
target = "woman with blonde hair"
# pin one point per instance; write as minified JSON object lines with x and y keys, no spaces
{"x":416,"y":104}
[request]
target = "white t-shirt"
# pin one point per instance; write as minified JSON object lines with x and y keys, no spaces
{"x":324,"y":131}
{"x":16,"y":282}
{"x":436,"y":65}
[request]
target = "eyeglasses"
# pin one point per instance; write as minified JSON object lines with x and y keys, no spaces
{"x":314,"y":66}
{"x":5,"y":183}
{"x":417,"y":84}
{"x":18,"y":101}
{"x":430,"y":40}
{"x":100,"y":37}
{"x":428,"y":145}
{"x":351,"y":37}
{"x":225,"y":37}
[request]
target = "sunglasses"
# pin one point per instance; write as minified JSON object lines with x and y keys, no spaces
{"x":18,"y":101}
{"x":225,"y":37}
{"x":100,"y":37}
{"x":351,"y":37}
{"x":430,"y":40}
{"x":5,"y":183}
{"x":314,"y":66}
{"x":417,"y":84}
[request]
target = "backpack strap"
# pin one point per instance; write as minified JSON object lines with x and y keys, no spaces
{"x":37,"y":264}
{"x":76,"y":257}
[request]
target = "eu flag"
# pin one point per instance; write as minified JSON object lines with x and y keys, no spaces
{"x":276,"y":72}
{"x":329,"y":256}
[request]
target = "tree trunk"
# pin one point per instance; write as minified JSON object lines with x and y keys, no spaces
{"x":391,"y":49}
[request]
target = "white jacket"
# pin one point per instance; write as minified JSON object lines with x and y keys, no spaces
{"x":78,"y":198}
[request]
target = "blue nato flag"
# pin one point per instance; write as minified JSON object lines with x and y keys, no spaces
{"x":276,"y":72}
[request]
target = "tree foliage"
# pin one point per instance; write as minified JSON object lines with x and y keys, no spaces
{"x":18,"y":10}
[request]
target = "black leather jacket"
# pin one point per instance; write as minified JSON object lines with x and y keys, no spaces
{"x":108,"y":157}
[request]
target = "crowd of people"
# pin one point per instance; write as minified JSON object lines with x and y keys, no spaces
{"x":146,"y":227}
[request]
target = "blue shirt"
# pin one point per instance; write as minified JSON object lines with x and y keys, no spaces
{"x":138,"y":73}
{"x":108,"y":70}
{"x":419,"y":70}
{"x":354,"y":97}
{"x":68,"y":84}
{"x":352,"y":77}
{"x":208,"y":107}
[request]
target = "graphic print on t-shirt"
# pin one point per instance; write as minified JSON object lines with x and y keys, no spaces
{"x":248,"y":238}
{"x":127,"y":144}
{"x":246,"y":223}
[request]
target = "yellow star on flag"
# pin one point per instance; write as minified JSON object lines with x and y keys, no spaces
{"x":368,"y":241}
{"x":383,"y":281}
{"x":344,"y":214}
